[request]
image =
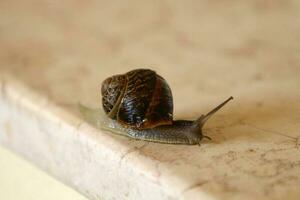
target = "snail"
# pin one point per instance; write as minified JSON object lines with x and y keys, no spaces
{"x":139,"y":105}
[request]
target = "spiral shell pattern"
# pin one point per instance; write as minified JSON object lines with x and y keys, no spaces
{"x":138,"y":99}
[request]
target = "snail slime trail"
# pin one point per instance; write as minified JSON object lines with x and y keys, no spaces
{"x":139,"y":105}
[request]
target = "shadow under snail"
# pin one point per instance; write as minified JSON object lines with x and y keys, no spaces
{"x":139,"y":105}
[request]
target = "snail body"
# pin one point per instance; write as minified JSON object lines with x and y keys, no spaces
{"x":139,"y":104}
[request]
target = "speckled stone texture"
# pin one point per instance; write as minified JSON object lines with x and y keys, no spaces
{"x":55,"y":54}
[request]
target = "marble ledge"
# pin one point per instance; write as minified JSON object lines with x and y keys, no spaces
{"x":100,"y":166}
{"x":242,"y":162}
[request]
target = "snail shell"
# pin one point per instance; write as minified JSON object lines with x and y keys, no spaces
{"x":139,"y":99}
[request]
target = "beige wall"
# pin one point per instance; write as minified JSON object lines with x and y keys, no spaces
{"x":21,"y":180}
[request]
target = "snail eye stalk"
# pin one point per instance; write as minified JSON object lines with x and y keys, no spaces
{"x":205,"y":136}
{"x":203,"y":119}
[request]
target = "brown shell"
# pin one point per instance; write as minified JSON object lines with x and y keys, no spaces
{"x":139,"y":99}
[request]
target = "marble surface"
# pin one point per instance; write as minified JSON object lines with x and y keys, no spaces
{"x":55,"y":54}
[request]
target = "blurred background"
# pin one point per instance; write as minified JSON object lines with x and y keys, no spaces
{"x":218,"y":47}
{"x":206,"y":49}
